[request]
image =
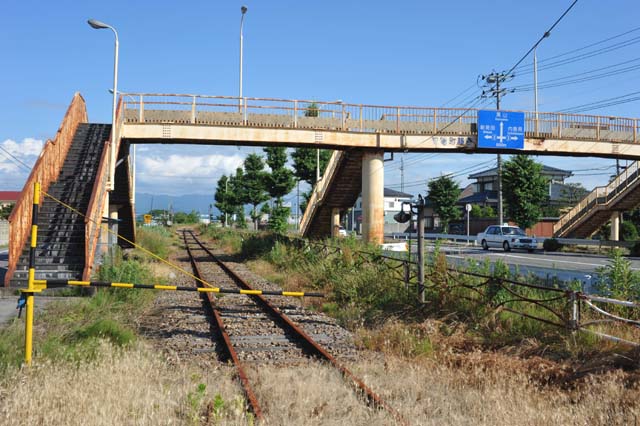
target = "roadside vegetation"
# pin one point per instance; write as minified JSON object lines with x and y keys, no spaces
{"x":366,"y":293}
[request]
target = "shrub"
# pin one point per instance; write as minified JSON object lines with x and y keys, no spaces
{"x":551,"y":244}
{"x":628,"y":231}
{"x":155,"y":239}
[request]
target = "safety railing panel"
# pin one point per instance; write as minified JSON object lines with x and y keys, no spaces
{"x":337,"y":115}
{"x":46,"y":170}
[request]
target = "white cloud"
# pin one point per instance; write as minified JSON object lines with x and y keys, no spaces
{"x":183,"y":174}
{"x":186,"y":165}
{"x":28,"y":147}
{"x":26,"y":152}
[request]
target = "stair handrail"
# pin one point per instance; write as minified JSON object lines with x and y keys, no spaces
{"x":319,"y":190}
{"x":602,"y":195}
{"x":46,"y":170}
{"x":95,"y":209}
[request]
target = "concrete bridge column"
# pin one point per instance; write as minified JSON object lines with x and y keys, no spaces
{"x":335,"y":222}
{"x":373,"y":197}
{"x":615,"y":226}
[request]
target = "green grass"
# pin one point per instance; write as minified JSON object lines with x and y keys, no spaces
{"x":157,"y":240}
{"x":73,"y":330}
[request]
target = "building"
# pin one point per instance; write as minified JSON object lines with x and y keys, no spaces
{"x":392,"y":204}
{"x":484,"y":191}
{"x":8,"y":197}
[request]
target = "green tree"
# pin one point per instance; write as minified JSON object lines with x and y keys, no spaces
{"x":236,"y":196}
{"x":305,"y":163}
{"x":279,"y":183}
{"x":572,"y":193}
{"x":224,"y":198}
{"x":525,"y":190}
{"x":254,"y":184}
{"x":5,"y":211}
{"x":444,"y":193}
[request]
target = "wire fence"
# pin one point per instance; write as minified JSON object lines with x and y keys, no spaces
{"x":554,"y":305}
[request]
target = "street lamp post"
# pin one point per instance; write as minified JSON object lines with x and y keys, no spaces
{"x":535,"y":77}
{"x":243,"y":9}
{"x":112,"y":156}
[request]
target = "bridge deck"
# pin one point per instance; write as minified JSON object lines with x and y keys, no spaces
{"x":155,"y":118}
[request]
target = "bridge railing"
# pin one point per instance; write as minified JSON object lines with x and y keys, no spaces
{"x":95,"y":209}
{"x":46,"y":170}
{"x":338,"y":115}
{"x":600,"y":195}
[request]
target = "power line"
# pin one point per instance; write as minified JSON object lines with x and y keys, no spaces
{"x":545,"y":35}
{"x":616,"y":100}
{"x":583,"y":47}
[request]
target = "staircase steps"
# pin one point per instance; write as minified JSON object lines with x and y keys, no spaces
{"x":60,"y":247}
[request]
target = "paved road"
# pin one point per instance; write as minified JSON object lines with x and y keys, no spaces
{"x":561,"y":266}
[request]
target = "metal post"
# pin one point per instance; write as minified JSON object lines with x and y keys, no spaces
{"x":317,"y":165}
{"x":575,"y":311}
{"x":535,"y":86}
{"x":243,"y":9}
{"x":133,"y":177}
{"x":226,"y":215}
{"x":499,"y":160}
{"x":406,"y":274}
{"x":28,"y":325}
{"x":421,"y":250}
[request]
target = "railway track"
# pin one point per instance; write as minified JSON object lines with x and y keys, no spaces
{"x":255,"y":328}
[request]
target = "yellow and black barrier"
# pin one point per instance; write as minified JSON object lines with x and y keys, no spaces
{"x":44,"y":284}
{"x":31,"y":286}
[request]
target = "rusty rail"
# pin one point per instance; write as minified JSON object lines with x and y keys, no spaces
{"x":254,"y":405}
{"x":310,"y":344}
{"x":45,"y":171}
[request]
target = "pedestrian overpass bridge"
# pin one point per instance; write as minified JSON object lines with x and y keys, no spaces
{"x":359,"y":134}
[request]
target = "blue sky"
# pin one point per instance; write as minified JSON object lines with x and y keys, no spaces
{"x":377,"y":52}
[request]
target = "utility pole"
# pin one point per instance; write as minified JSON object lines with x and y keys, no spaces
{"x":298,"y":208}
{"x":421,"y":249}
{"x":402,"y":173}
{"x":495,"y":79}
{"x":226,"y":202}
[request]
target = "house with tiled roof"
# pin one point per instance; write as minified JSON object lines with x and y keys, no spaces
{"x":9,"y":197}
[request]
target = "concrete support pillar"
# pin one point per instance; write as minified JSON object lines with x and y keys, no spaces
{"x":113,"y":226}
{"x":615,"y":226}
{"x":335,"y":222}
{"x":104,"y":235}
{"x":373,"y":197}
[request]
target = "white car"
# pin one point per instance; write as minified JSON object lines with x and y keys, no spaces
{"x":342,"y":232}
{"x":506,"y":237}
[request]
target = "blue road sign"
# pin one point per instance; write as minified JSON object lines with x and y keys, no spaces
{"x":500,"y":129}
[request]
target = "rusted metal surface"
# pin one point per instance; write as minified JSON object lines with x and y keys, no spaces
{"x":244,"y":380}
{"x":45,"y":171}
{"x":313,"y":347}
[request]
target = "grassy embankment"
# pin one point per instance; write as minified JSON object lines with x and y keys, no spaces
{"x":91,"y":367}
{"x":368,"y":298}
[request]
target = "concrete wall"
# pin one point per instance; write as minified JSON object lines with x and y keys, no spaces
{"x":4,"y":232}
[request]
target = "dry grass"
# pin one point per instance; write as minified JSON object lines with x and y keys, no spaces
{"x":122,"y":387}
{"x":430,"y":392}
{"x":312,"y":394}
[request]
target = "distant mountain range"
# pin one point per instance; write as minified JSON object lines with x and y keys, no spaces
{"x":183,"y":203}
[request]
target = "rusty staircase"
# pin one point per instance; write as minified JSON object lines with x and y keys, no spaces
{"x":593,"y":211}
{"x":339,"y":188}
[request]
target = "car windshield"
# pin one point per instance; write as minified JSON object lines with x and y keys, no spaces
{"x":506,"y":230}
